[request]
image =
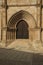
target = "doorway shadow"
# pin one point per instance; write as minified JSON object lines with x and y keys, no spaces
{"x":14,"y":57}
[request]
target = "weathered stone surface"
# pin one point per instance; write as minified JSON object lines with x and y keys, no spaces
{"x":11,"y":57}
{"x":21,"y":2}
{"x":33,"y":20}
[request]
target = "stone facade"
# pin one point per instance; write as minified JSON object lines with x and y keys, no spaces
{"x":16,"y":10}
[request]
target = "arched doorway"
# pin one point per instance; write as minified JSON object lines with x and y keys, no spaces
{"x":20,"y":22}
{"x":22,"y":30}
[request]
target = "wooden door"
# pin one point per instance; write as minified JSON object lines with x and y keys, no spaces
{"x":22,"y":30}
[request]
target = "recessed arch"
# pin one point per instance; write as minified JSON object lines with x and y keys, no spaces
{"x":22,"y":15}
{"x":22,"y":31}
{"x":15,"y":19}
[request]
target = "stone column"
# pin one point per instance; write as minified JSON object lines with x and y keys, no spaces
{"x":14,"y":33}
{"x":42,"y":36}
{"x":34,"y":34}
{"x":0,"y":25}
{"x":4,"y":28}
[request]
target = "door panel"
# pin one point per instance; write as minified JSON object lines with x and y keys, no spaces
{"x":22,"y":30}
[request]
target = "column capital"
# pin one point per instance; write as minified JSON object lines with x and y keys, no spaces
{"x":4,"y":28}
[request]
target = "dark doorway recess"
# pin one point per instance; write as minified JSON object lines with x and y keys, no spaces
{"x":22,"y":31}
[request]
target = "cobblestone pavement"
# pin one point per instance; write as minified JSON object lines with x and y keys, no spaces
{"x":22,"y":52}
{"x":14,"y":57}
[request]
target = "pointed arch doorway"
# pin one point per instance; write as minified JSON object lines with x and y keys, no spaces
{"x":22,"y":30}
{"x":19,"y":25}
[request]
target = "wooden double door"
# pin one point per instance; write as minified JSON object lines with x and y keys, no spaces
{"x":22,"y":31}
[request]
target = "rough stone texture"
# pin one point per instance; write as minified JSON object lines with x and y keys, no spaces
{"x":0,"y":26}
{"x":34,"y":34}
{"x":21,"y":51}
{"x":42,"y":18}
{"x":21,"y":2}
{"x":14,"y":57}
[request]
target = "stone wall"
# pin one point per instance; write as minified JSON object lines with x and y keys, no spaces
{"x":15,"y":6}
